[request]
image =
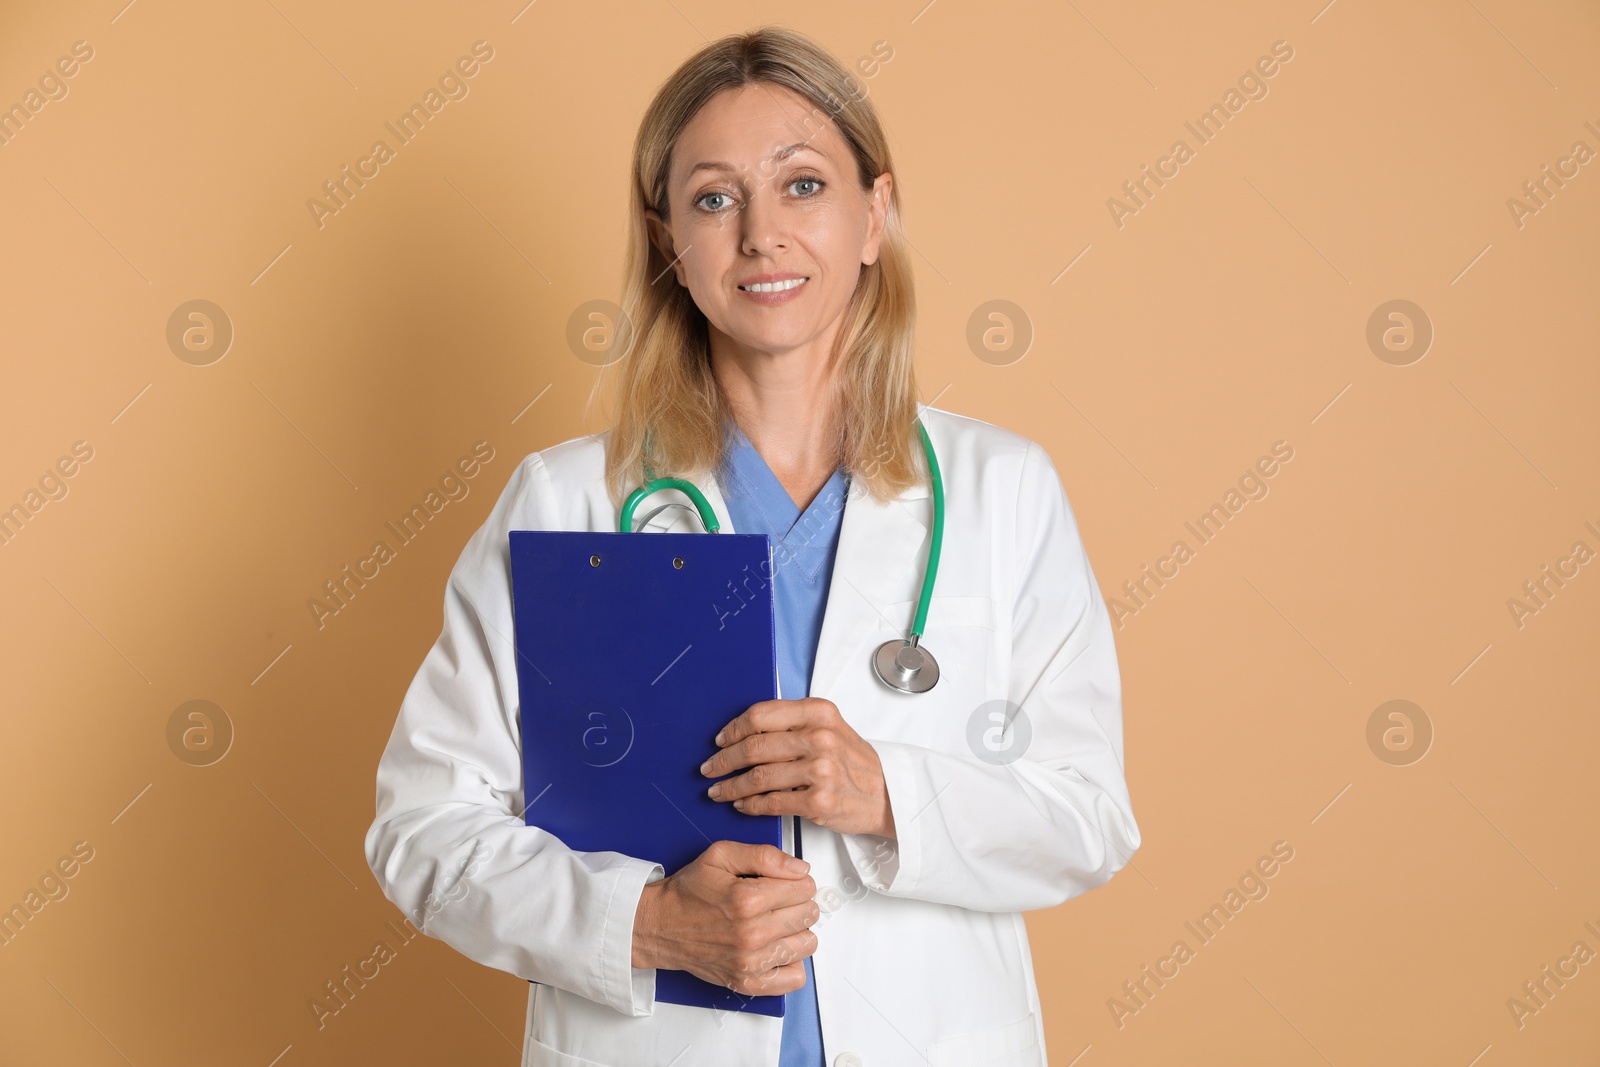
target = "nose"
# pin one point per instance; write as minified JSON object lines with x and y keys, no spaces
{"x":762,"y":222}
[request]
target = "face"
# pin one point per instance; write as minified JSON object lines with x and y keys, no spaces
{"x":762,"y":183}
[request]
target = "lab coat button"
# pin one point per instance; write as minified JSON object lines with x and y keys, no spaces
{"x":847,"y":1059}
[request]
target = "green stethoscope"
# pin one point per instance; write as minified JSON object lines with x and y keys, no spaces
{"x":904,"y":665}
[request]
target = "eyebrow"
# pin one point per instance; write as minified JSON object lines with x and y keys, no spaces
{"x":780,"y":155}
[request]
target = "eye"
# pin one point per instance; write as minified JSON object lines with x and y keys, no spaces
{"x":815,"y":184}
{"x":809,"y":179}
{"x":700,"y":202}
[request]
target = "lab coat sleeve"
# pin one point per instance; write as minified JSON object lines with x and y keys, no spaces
{"x":449,"y":846}
{"x":1056,"y":820}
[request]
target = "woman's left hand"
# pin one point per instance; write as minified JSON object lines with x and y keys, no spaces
{"x":805,"y":760}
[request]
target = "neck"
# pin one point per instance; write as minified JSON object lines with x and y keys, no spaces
{"x":784,"y":403}
{"x":786,"y":407}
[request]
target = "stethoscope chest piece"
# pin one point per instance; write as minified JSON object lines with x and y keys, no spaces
{"x":906,"y":666}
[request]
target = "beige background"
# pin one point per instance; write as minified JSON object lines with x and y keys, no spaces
{"x":1229,"y":313}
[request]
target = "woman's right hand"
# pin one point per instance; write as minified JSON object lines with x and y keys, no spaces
{"x":748,"y":934}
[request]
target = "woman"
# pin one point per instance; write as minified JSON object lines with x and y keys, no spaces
{"x":769,"y":292}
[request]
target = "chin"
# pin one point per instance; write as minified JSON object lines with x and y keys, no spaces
{"x":776,"y":342}
{"x":771,"y":334}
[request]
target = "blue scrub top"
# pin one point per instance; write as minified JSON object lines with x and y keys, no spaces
{"x":803,"y":549}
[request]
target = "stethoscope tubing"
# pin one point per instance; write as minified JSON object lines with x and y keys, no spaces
{"x":708,"y":519}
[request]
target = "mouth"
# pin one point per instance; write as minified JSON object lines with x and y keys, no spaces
{"x":774,"y":287}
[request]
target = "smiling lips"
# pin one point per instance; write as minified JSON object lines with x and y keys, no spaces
{"x":772,"y":289}
{"x":773,"y":286}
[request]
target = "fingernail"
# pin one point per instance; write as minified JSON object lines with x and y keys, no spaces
{"x":704,"y":765}
{"x":718,"y":739}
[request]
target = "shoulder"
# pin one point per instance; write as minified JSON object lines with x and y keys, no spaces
{"x":575,"y":460}
{"x":555,"y":487}
{"x":966,"y":432}
{"x":998,"y":458}
{"x":999,"y":473}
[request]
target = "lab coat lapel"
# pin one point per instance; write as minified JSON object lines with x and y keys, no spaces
{"x":879,"y":562}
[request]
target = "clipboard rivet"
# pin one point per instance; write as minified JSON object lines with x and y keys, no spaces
{"x":594,"y":561}
{"x":677,"y":562}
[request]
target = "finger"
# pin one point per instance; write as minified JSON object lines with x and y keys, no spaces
{"x":757,"y":748}
{"x":763,"y":861}
{"x":778,"y":895}
{"x":775,"y":910}
{"x":758,"y":900}
{"x":765,"y":777}
{"x":780,"y":980}
{"x":785,"y":951}
{"x":796,"y":917}
{"x":764,"y":716}
{"x":809,"y":802}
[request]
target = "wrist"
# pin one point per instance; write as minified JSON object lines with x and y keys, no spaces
{"x":646,"y":943}
{"x":888,"y":827}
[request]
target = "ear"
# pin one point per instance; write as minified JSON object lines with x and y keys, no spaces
{"x":878,"y":204}
{"x":661,"y":238}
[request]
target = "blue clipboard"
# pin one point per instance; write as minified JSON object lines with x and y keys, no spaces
{"x":633,"y":650}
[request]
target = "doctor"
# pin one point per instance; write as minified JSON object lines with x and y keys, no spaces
{"x":769,"y":291}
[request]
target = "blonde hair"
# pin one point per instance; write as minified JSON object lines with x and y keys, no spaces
{"x":668,"y":400}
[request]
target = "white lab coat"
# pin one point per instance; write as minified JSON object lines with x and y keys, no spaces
{"x":922,"y":952}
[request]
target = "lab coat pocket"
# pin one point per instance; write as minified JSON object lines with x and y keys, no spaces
{"x":538,"y":1054}
{"x":996,"y":1045}
{"x":961,"y":633}
{"x":942,"y":611}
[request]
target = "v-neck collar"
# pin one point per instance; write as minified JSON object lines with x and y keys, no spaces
{"x":743,"y":464}
{"x":882,"y":547}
